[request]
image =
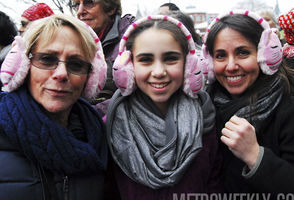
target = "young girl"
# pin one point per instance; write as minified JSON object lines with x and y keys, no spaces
{"x":160,"y":123}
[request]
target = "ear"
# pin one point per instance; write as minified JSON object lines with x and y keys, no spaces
{"x":206,"y":65}
{"x":193,"y":76}
{"x":269,"y":53}
{"x":111,"y":12}
{"x":123,"y":73}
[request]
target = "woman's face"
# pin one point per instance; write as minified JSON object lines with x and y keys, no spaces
{"x":235,"y":61}
{"x":57,"y":90}
{"x":159,"y":65}
{"x":93,"y":15}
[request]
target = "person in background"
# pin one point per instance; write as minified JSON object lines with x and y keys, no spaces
{"x":8,"y":32}
{"x":52,"y":141}
{"x":270,"y":17}
{"x":37,"y":11}
{"x":167,"y":7}
{"x":187,"y":21}
{"x":104,"y":16}
{"x":253,"y":103}
{"x":286,"y":22}
{"x":160,"y":123}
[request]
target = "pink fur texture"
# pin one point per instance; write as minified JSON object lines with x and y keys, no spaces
{"x":270,"y":52}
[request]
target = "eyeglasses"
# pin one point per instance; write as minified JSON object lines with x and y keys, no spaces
{"x":88,"y":4}
{"x":49,"y":61}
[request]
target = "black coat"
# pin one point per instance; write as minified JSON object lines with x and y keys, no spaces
{"x":21,"y":179}
{"x":275,"y":173}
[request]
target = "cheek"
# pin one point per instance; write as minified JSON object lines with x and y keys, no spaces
{"x":37,"y":77}
{"x":141,"y":74}
{"x":78,"y":83}
{"x":218,"y":67}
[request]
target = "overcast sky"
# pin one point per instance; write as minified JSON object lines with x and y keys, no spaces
{"x":14,"y":8}
{"x":214,"y":6}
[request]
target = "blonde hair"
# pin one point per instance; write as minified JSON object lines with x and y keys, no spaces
{"x":47,"y":28}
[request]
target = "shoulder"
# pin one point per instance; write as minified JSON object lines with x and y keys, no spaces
{"x":286,"y":106}
{"x":126,"y":21}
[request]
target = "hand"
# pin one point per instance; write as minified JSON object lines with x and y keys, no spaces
{"x":240,"y":137}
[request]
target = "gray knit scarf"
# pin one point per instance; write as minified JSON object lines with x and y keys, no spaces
{"x":153,"y":150}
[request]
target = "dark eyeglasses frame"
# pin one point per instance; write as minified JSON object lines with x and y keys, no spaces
{"x":35,"y":57}
{"x":88,"y":4}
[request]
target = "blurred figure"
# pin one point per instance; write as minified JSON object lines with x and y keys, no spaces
{"x":188,"y":22}
{"x":8,"y":31}
{"x":37,"y":11}
{"x":52,"y":141}
{"x":104,"y":16}
{"x":286,"y":22}
{"x":166,"y":7}
{"x":270,"y":17}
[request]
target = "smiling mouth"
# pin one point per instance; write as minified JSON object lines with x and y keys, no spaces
{"x":234,"y":78}
{"x":159,"y":85}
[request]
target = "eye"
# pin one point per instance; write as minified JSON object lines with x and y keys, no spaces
{"x":243,"y":53}
{"x":197,"y":73}
{"x":88,"y":2}
{"x":170,"y":59}
{"x":48,"y":59}
{"x":75,"y":5}
{"x":145,"y":59}
{"x":219,"y":55}
{"x":75,"y":65}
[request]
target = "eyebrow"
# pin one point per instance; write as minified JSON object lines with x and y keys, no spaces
{"x":165,"y":54}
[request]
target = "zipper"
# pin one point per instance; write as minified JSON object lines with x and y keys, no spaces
{"x":41,"y":173}
{"x":65,"y":187}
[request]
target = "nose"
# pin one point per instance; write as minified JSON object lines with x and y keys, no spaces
{"x":60,"y":73}
{"x":158,"y":70}
{"x":232,"y":64}
{"x":81,"y":9}
{"x":21,"y":29}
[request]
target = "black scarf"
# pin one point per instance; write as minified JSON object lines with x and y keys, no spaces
{"x":256,"y":104}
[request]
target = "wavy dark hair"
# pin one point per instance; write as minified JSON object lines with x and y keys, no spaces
{"x":8,"y":30}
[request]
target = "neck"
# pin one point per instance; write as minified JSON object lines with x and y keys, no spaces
{"x":61,"y":118}
{"x":163,"y":107}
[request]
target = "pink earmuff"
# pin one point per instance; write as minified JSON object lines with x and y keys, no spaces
{"x":123,"y":69}
{"x":269,"y":55}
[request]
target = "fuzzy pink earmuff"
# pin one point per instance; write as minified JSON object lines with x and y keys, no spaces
{"x":16,"y":66}
{"x":269,"y":55}
{"x":123,"y":69}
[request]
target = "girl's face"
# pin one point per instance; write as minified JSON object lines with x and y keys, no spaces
{"x":235,"y":61}
{"x":159,"y":65}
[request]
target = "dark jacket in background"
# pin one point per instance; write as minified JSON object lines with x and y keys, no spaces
{"x":110,"y":45}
